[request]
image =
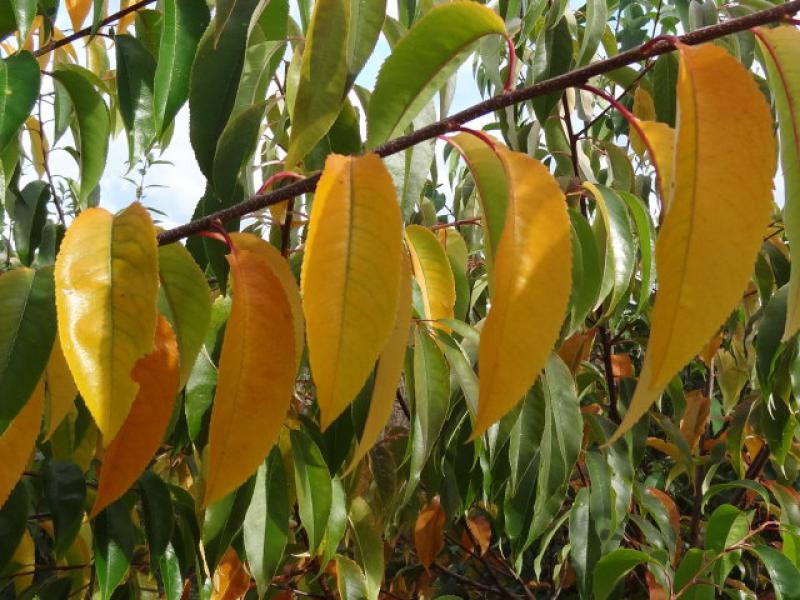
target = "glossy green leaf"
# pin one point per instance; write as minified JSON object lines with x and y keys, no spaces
{"x":422,"y":62}
{"x":323,"y":75}
{"x":24,"y":11}
{"x":93,"y":126}
{"x":596,"y":17}
{"x":19,"y":87}
{"x":171,"y":579}
{"x":159,"y":518}
{"x":236,"y":147}
{"x":65,"y":492}
{"x":368,"y":546}
{"x":586,"y":290}
{"x":784,"y":575}
{"x":337,"y":517}
{"x":183,"y":25}
{"x":135,"y":74}
{"x":223,"y":522}
{"x":552,"y":57}
{"x":665,"y":81}
{"x":583,"y":536}
{"x":314,"y":488}
{"x":350,"y":581}
{"x":266,"y":523}
{"x":30,"y":214}
{"x":215,"y":76}
{"x":612,"y":567}
{"x":114,"y":539}
{"x":727,"y":526}
{"x":27,"y":331}
{"x":646,"y":235}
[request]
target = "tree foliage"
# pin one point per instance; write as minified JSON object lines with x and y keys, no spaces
{"x":553,"y":356}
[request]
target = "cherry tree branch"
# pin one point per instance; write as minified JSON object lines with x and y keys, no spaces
{"x":655,"y":47}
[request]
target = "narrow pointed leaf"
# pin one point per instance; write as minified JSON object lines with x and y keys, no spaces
{"x":19,"y":87}
{"x":106,"y":292}
{"x":256,"y":375}
{"x":78,"y":11}
{"x":140,"y":436}
{"x":532,"y":286}
{"x":351,"y":277}
{"x":432,"y":272}
{"x":366,"y":22}
{"x":725,"y":149}
{"x":661,"y":138}
{"x":135,"y":72}
{"x":114,"y":538}
{"x":314,"y":488}
{"x":18,"y":440}
{"x":422,"y":62}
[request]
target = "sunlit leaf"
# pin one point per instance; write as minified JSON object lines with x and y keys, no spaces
{"x":17,"y":442}
{"x":433,"y":273}
{"x":19,"y":87}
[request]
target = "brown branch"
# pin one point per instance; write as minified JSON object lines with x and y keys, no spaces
{"x":655,"y":47}
{"x":92,"y":29}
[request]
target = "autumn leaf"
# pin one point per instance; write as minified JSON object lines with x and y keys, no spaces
{"x":256,"y":374}
{"x":18,"y":440}
{"x":106,"y":290}
{"x":351,"y":276}
{"x":433,"y":273}
{"x":140,"y":436}
{"x":429,"y":532}
{"x":704,"y":254}
{"x":532,"y":286}
{"x":60,"y":389}
{"x":231,"y":579}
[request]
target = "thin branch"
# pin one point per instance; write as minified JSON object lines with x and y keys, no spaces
{"x":86,"y":31}
{"x":654,"y":47}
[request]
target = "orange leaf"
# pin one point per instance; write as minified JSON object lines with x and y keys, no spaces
{"x":256,"y":375}
{"x":17,"y":441}
{"x":621,"y":366}
{"x":672,"y":513}
{"x":231,"y":579}
{"x":576,"y":349}
{"x":429,"y":532}
{"x":129,"y":453}
{"x":481,"y":531}
{"x":695,"y":417}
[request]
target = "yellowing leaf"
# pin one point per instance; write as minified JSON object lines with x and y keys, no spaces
{"x":661,"y":138}
{"x":140,"y":436}
{"x":644,"y":109}
{"x":39,"y":145}
{"x":781,"y":50}
{"x":78,"y":10}
{"x":429,"y":532}
{"x":18,"y":440}
{"x":433,"y":273}
{"x":388,"y":372}
{"x":231,"y":579}
{"x":256,"y":375}
{"x":281,"y":270}
{"x":351,"y":276}
{"x":60,"y":389}
{"x":23,"y":561}
{"x":533,"y":273}
{"x":106,"y":292}
{"x":577,"y":348}
{"x":695,"y":417}
{"x":719,"y":205}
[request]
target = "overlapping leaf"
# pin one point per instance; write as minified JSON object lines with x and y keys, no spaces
{"x":433,"y":273}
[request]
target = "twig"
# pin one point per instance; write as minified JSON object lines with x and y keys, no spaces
{"x":506,"y":592}
{"x":613,"y":408}
{"x":654,"y":47}
{"x":753,"y":473}
{"x":467,"y":581}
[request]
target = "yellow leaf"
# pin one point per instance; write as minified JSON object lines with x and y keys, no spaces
{"x":256,"y":374}
{"x":60,"y":389}
{"x":106,"y":291}
{"x":231,"y":579}
{"x":351,"y":276}
{"x":661,"y":138}
{"x":18,"y":440}
{"x":22,"y":561}
{"x":140,"y":436}
{"x":643,"y":108}
{"x":695,"y":417}
{"x":532,"y":286}
{"x":388,"y":372}
{"x":433,"y":273}
{"x":78,"y":10}
{"x":429,"y":532}
{"x":281,"y":270}
{"x":126,"y":20}
{"x":667,"y":448}
{"x":721,"y":201}
{"x":39,"y":145}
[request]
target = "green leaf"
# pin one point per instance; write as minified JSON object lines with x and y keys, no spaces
{"x":770,"y":331}
{"x":171,"y":578}
{"x":784,"y":576}
{"x":25,"y":11}
{"x":261,"y":59}
{"x":552,"y":57}
{"x":135,"y":72}
{"x":693,"y":566}
{"x":368,"y":546}
{"x":215,"y":75}
{"x":612,"y":567}
{"x":65,"y":492}
{"x":8,"y":22}
{"x":584,"y":542}
{"x":224,"y":520}
{"x":646,"y":234}
{"x":186,"y":301}
{"x":586,"y":290}
{"x":93,"y":126}
{"x":526,"y":435}
{"x":266,"y":524}
{"x":366,"y":22}
{"x":183,"y":26}
{"x":752,"y":486}
{"x":350,"y":581}
{"x":19,"y":88}
{"x":727,"y":526}
{"x":780,"y":48}
{"x":596,"y":18}
{"x":431,"y":400}
{"x":27,"y":331}
{"x":13,"y":521}
{"x":560,"y":445}
{"x":422,"y":62}
{"x":314,"y":487}
{"x":323,"y":73}
{"x":30,"y":214}
{"x":114,"y":539}
{"x":665,"y":82}
{"x":159,"y":518}
{"x":337,"y":517}
{"x":236,"y":147}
